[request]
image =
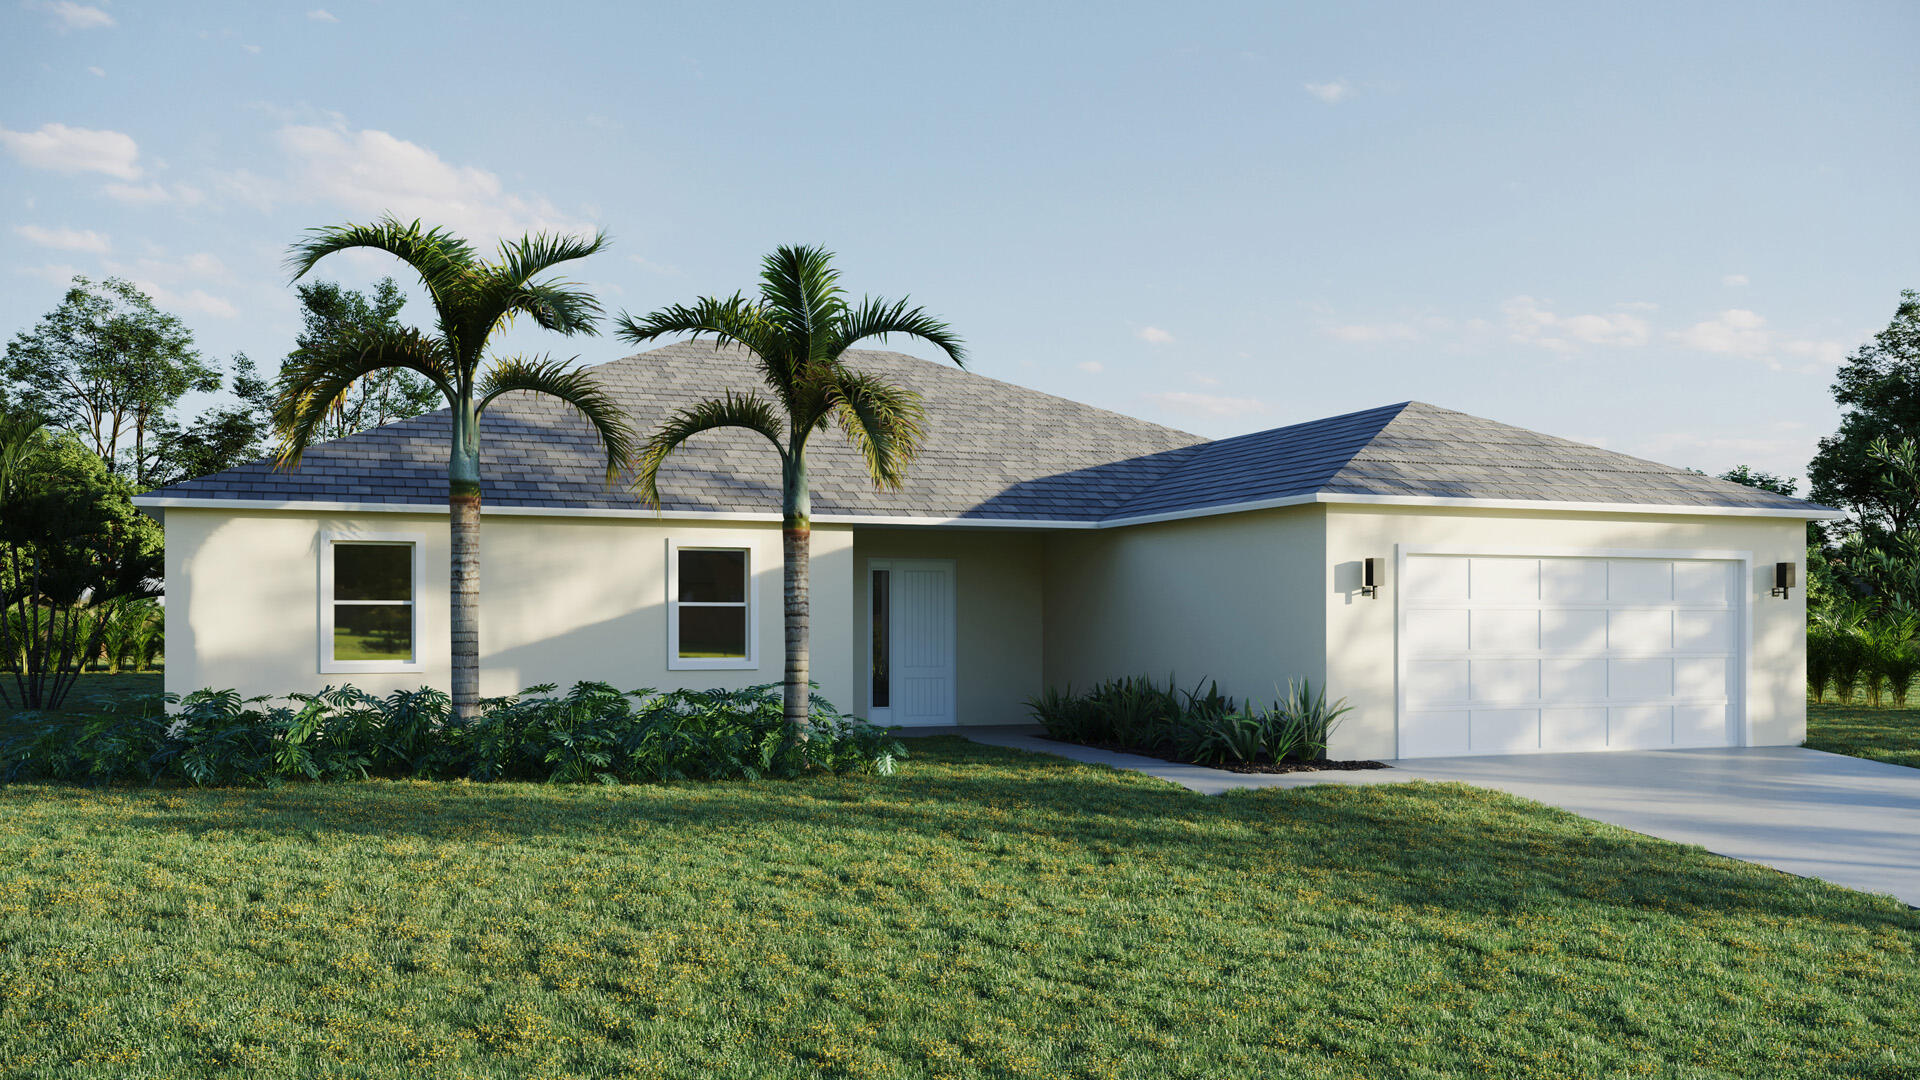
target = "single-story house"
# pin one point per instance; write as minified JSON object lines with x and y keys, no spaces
{"x":1527,"y":593}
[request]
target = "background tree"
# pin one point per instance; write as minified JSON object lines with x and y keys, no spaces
{"x":109,"y":367}
{"x":333,"y":314}
{"x":1765,"y":481}
{"x":71,"y":547}
{"x":472,"y":299}
{"x":798,"y":331}
{"x":221,"y":437}
{"x":1878,"y":389}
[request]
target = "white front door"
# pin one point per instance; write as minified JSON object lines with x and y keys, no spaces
{"x":912,"y":642}
{"x":1509,"y":654}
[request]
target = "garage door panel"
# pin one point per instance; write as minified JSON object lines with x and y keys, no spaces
{"x":1703,"y":631}
{"x":1434,"y":734}
{"x":1639,"y":581}
{"x":1573,"y":630}
{"x":1506,"y":654}
{"x":1503,"y":682}
{"x":1503,"y":630}
{"x":1702,"y":725}
{"x":1640,"y":631}
{"x":1697,"y":581}
{"x":1504,"y":580}
{"x":1697,"y":677}
{"x":1436,"y":682}
{"x":1573,"y":581}
{"x":1638,"y":680}
{"x":1572,"y":730}
{"x":1503,"y":731}
{"x":1640,"y":727}
{"x":1573,"y":680}
{"x":1441,"y":631}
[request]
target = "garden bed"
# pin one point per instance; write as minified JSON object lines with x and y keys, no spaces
{"x":1250,"y":767}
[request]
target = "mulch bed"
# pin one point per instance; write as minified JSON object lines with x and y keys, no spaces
{"x":1235,"y":766}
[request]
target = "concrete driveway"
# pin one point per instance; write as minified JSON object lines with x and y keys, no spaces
{"x":1847,"y":820}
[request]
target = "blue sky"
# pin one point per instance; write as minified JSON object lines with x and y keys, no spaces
{"x":1657,"y":228}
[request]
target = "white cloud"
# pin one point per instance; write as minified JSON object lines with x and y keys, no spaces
{"x":1531,"y":322}
{"x":1184,"y":401}
{"x":1331,"y":93}
{"x":1365,"y":334}
{"x":56,"y":273}
{"x":71,"y":16}
{"x":153,"y":194}
{"x":1153,"y":335}
{"x":73,"y":149}
{"x":1734,"y":281}
{"x":322,"y":15}
{"x":1744,"y":333}
{"x":366,"y":172}
{"x":254,"y":49}
{"x":64,"y":239}
{"x":197,"y":301}
{"x":1091,"y":367}
{"x":98,"y":71}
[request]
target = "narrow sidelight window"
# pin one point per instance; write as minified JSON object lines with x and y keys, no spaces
{"x":368,"y":621}
{"x":882,"y":589}
{"x":712,"y":625}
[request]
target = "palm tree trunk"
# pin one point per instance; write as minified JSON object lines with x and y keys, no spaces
{"x":796,"y":536}
{"x":463,"y":511}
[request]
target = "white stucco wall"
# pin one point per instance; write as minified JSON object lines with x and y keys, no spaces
{"x":1360,"y":631}
{"x":998,"y":597}
{"x":562,"y":599}
{"x":1234,"y":598}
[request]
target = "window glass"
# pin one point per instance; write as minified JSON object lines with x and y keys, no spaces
{"x":372,"y":571}
{"x":882,"y":584}
{"x":713,"y":633}
{"x":372,"y":602}
{"x":713,"y":577}
{"x":373,"y":632}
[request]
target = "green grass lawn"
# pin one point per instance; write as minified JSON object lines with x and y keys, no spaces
{"x":985,"y":914}
{"x":1890,"y":735}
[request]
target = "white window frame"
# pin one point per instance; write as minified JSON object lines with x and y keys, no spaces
{"x":676,"y":662}
{"x":330,"y":666}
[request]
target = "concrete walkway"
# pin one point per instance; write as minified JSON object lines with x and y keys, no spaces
{"x":1846,"y":820}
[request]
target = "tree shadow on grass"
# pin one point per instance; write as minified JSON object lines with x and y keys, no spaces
{"x":1421,"y":845}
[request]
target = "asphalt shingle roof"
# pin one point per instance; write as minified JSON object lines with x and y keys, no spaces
{"x":993,"y":451}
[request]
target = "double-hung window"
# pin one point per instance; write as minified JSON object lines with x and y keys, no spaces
{"x":369,"y":611}
{"x":709,"y":607}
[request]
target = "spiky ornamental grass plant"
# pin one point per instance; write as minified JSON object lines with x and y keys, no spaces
{"x":798,"y":331}
{"x":472,"y":298}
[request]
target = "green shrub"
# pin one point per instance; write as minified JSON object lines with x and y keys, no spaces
{"x":1195,"y":725}
{"x":592,"y":733}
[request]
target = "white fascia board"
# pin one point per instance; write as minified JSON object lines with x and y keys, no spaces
{"x":162,"y":502}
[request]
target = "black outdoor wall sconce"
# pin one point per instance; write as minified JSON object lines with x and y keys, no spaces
{"x":1782,"y":578}
{"x":1369,"y":581}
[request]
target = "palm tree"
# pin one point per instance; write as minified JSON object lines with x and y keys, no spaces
{"x":798,"y":332}
{"x":472,"y":298}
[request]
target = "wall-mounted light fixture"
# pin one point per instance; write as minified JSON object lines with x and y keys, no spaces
{"x":1782,"y":578}
{"x":1369,"y":579}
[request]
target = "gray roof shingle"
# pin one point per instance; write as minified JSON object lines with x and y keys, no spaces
{"x":994,"y":451}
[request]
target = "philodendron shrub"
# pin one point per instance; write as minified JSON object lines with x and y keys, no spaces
{"x":593,"y":732}
{"x":1200,"y":725}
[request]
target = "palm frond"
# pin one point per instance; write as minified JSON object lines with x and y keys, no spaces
{"x":559,"y":379}
{"x":524,"y":259}
{"x":731,"y":320}
{"x":879,"y":319}
{"x":800,"y":290}
{"x":560,"y":306}
{"x":748,"y":411}
{"x":885,"y":422}
{"x":311,"y":387}
{"x":437,"y":254}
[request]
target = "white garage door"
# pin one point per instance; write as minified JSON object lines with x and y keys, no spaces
{"x":1509,"y":655}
